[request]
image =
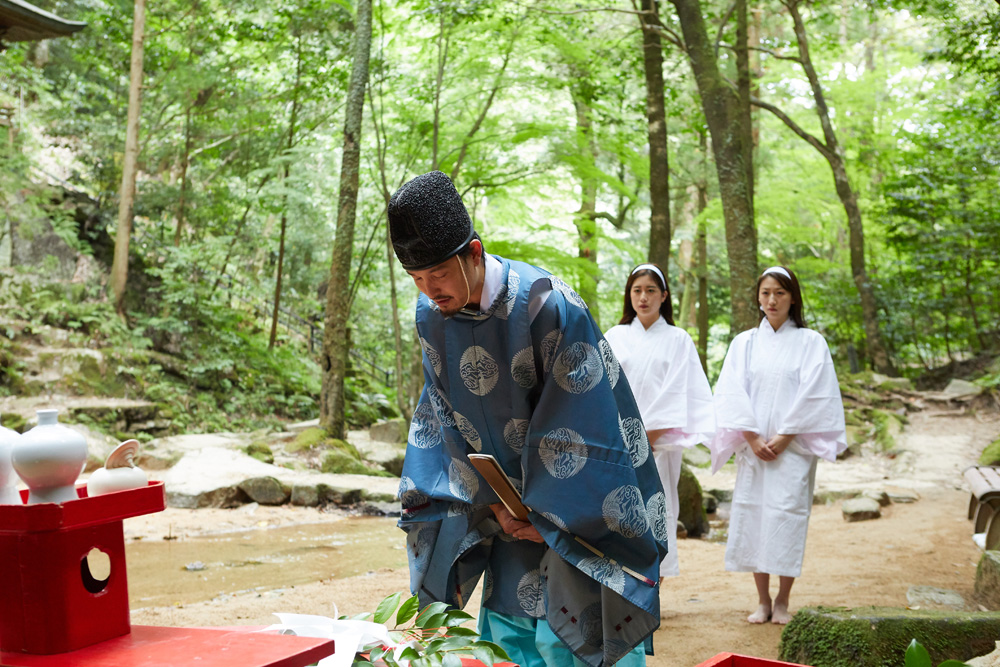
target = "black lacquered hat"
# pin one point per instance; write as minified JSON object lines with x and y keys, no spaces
{"x":428,"y":222}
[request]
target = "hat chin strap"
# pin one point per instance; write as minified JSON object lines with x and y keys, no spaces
{"x":468,"y":290}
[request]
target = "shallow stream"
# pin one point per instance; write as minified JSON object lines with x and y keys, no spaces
{"x":177,"y":572}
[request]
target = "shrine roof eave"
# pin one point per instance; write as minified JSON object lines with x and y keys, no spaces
{"x":23,"y":22}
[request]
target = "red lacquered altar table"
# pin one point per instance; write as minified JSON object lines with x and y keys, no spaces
{"x":54,"y":612}
{"x":152,"y":646}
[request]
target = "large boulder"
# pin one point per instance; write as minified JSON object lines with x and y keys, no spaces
{"x":878,"y":636}
{"x":213,"y":477}
{"x":861,"y":509}
{"x":691,"y":510}
{"x":390,"y":430}
{"x":988,"y":580}
{"x":265,"y":490}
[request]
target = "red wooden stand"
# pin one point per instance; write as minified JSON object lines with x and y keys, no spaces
{"x":735,"y":660}
{"x":52,"y":602}
{"x":55,"y":612}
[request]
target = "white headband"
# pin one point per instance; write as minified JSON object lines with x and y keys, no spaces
{"x":652,"y":268}
{"x":778,"y":270}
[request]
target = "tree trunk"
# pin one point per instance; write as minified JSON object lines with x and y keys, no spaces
{"x":834,"y":155}
{"x":284,"y":209}
{"x":656,"y":115}
{"x":725,"y":119}
{"x":126,"y":204}
{"x":702,"y":244}
{"x":185,"y":163}
{"x":743,"y":84}
{"x":585,"y":218}
{"x":335,"y":340}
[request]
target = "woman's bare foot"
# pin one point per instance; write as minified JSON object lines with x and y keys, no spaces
{"x":780,"y":615}
{"x":762,"y":615}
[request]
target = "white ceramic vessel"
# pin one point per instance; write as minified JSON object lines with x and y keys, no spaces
{"x":49,"y":458}
{"x":119,"y":472}
{"x":8,"y":480}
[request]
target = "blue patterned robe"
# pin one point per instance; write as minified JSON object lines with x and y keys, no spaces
{"x":547,"y":398}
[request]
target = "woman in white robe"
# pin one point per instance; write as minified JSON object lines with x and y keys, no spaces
{"x":779,"y":409}
{"x":670,"y":388}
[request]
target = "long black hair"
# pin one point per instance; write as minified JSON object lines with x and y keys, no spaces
{"x":666,"y":308}
{"x":791,"y":285}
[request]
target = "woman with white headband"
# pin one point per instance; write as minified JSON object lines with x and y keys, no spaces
{"x":669,"y":385}
{"x":779,"y":410}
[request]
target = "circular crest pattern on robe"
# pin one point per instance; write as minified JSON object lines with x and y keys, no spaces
{"x":479,"y":370}
{"x":432,"y":356}
{"x":420,"y":543}
{"x":625,"y":512}
{"x":611,"y":364}
{"x":634,"y":435}
{"x":549,"y":346}
{"x":656,"y":512}
{"x":522,"y":368}
{"x":563,"y":452}
{"x":592,"y":626}
{"x":509,"y":295}
{"x":515,"y":432}
{"x":530,"y":595}
{"x":468,"y":432}
{"x":462,"y":480}
{"x":568,"y":292}
{"x":605,"y":571}
{"x":409,"y":495}
{"x":579,"y":368}
{"x":441,"y":405}
{"x":556,"y":520}
{"x":425,"y":432}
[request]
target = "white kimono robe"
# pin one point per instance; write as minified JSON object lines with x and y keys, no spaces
{"x":662,"y":367}
{"x":775,"y":382}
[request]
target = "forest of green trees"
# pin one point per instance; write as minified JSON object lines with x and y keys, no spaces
{"x":854,"y":141}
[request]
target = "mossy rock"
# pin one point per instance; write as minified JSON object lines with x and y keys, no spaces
{"x":342,"y":447}
{"x":307,"y":439}
{"x":878,"y":636}
{"x":260,"y":451}
{"x":988,"y":580}
{"x":990,"y":455}
{"x":343,"y":463}
{"x":691,"y":511}
{"x":887,"y":427}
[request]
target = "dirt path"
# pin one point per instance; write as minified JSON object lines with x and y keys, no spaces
{"x":846,"y":564}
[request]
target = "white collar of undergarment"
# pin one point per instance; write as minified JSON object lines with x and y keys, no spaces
{"x":637,"y":325}
{"x":788,"y":325}
{"x":492,"y":278}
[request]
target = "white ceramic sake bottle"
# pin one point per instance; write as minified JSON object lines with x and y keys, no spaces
{"x":8,"y":480}
{"x":49,"y":458}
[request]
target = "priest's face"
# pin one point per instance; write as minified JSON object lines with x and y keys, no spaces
{"x":454,"y":283}
{"x":647,"y":297}
{"x":774,"y":300}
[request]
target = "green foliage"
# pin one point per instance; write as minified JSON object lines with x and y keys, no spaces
{"x":242,"y":102}
{"x":437,"y":636}
{"x":917,"y":656}
{"x":991,"y":454}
